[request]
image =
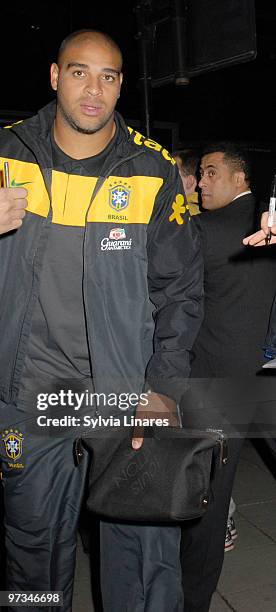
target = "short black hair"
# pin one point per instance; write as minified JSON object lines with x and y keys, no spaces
{"x":189,"y":161}
{"x":234,"y":156}
{"x":96,"y":33}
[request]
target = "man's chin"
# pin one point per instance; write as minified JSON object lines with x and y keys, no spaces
{"x":206,"y":203}
{"x":84,"y":126}
{"x":87,"y":128}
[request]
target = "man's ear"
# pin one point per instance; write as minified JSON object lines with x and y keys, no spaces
{"x":240,"y":178}
{"x":121,"y":80}
{"x":191,"y":182}
{"x":54,"y":72}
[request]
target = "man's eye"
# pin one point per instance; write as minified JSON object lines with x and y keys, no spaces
{"x":78,"y":73}
{"x":108,"y":77}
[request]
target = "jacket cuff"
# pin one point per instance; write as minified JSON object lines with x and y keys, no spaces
{"x":173,"y":388}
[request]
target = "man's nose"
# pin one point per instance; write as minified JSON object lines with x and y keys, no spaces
{"x":202,"y":181}
{"x":93,"y":87}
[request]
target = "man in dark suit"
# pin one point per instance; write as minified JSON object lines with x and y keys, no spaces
{"x":227,"y":353}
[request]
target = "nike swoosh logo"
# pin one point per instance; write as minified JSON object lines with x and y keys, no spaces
{"x":15,"y":184}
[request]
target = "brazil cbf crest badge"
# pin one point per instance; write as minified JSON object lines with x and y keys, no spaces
{"x":13,"y":443}
{"x":119,"y":197}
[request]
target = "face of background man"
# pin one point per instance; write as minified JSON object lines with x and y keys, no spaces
{"x":87,"y":81}
{"x":219,"y":184}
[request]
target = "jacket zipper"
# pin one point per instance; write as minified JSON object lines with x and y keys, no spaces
{"x":99,"y":184}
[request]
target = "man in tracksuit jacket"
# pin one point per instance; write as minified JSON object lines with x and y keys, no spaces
{"x":101,"y":290}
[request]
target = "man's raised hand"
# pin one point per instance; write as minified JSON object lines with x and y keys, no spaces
{"x":13,"y":202}
{"x":260,"y":237}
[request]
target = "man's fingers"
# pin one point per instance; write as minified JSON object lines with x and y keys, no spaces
{"x":137,"y":443}
{"x":12,"y":225}
{"x":20,"y":204}
{"x":257,"y":239}
{"x":260,"y":237}
{"x":13,"y":204}
{"x":12,"y":214}
{"x":264,"y":220}
{"x":18,"y":214}
{"x":159,"y":408}
{"x":16,"y":224}
{"x":15,"y":193}
{"x":137,"y":437}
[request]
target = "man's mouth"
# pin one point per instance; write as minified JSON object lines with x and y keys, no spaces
{"x":92,"y":110}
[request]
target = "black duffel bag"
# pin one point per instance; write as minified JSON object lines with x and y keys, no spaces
{"x":168,"y":480}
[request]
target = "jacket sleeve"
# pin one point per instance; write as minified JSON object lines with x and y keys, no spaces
{"x":175,"y":281}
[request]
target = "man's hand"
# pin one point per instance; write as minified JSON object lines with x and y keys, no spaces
{"x":159,"y":407}
{"x":13,"y":202}
{"x":260,"y":237}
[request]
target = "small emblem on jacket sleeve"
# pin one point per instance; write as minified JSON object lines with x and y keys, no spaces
{"x":179,"y":209}
{"x":13,"y":444}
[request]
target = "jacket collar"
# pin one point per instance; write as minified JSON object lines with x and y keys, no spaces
{"x":34,"y":133}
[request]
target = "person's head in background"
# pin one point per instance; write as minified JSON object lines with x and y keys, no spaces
{"x":225,"y":174}
{"x":187,"y":161}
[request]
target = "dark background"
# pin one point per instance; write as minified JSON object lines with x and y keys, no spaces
{"x":233,"y":103}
